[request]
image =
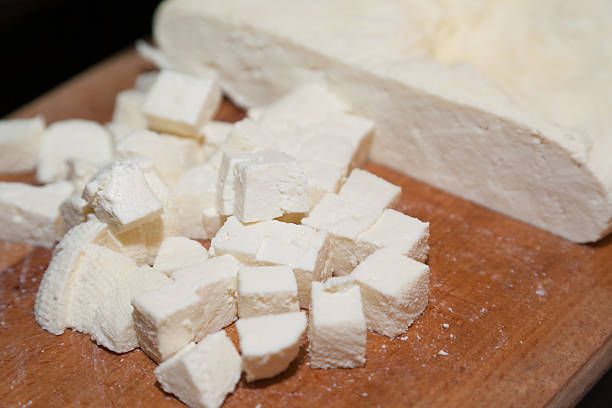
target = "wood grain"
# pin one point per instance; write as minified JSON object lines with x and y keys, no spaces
{"x":529,"y":314}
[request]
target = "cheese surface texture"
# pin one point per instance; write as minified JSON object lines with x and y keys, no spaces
{"x":19,"y":144}
{"x":503,"y":103}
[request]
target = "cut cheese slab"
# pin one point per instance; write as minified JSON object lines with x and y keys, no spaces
{"x":176,"y":253}
{"x":30,"y":214}
{"x":19,"y":144}
{"x":394,"y":289}
{"x":70,"y":139}
{"x":448,"y":105}
{"x":270,"y":343}
{"x":202,"y":375}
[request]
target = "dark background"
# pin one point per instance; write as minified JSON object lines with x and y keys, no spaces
{"x":45,"y":42}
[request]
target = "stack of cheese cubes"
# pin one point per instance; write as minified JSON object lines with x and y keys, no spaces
{"x":294,"y":225}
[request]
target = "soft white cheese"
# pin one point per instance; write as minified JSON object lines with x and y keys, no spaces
{"x":337,"y":327}
{"x":81,"y":139}
{"x":79,"y":172}
{"x":394,"y":289}
{"x":181,"y":104}
{"x":371,"y":188}
{"x":128,"y":109}
{"x":269,"y":185}
{"x":30,"y":214}
{"x":202,"y":375}
{"x":73,"y":211}
{"x":270,"y":343}
{"x":176,"y":253}
{"x":225,"y":183}
{"x":266,"y":290}
{"x":214,"y":134}
{"x":19,"y":143}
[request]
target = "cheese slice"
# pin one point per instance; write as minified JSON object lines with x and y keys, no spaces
{"x":19,"y":143}
{"x":469,"y":97}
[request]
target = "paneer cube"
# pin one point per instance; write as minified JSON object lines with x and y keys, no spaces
{"x":266,"y":290}
{"x":176,"y":253}
{"x":372,"y":189}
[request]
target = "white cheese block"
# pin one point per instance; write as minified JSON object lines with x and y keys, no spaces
{"x":303,"y":249}
{"x":170,"y":155}
{"x":128,"y":109}
{"x":202,"y":375}
{"x":345,"y":217}
{"x":73,"y":211}
{"x":196,"y":192}
{"x":371,"y":188}
{"x":181,"y":104}
{"x":525,"y":135}
{"x":120,"y":196}
{"x":394,"y":289}
{"x":30,"y":214}
{"x":215,"y":282}
{"x":214,"y":134}
{"x":266,"y":290}
{"x":71,"y":139}
{"x":337,"y":327}
{"x":51,"y":298}
{"x":269,"y":185}
{"x":154,"y":55}
{"x":113,"y":325}
{"x":226,"y":196}
{"x":323,"y":178}
{"x":211,"y":221}
{"x":270,"y":343}
{"x":399,"y":231}
{"x":176,"y":253}
{"x":145,"y":80}
{"x":166,"y":320}
{"x":19,"y":143}
{"x":79,"y":172}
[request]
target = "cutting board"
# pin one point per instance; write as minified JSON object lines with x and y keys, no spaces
{"x":517,"y":316}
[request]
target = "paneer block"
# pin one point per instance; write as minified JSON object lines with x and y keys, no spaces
{"x":303,"y":249}
{"x":270,"y":343}
{"x":30,"y":214}
{"x":73,"y":211}
{"x":394,"y":289}
{"x":145,"y":80}
{"x":119,"y":132}
{"x":372,"y":189}
{"x":80,"y":171}
{"x":266,"y":290}
{"x":128,"y":109}
{"x":177,"y":253}
{"x":225,"y":184}
{"x":170,"y":155}
{"x":323,"y":178}
{"x":19,"y":143}
{"x":211,"y":221}
{"x":269,"y":185}
{"x":76,"y":138}
{"x":196,"y":192}
{"x":214,"y":134}
{"x":181,"y":104}
{"x":167,"y":319}
{"x":399,"y":231}
{"x":120,"y":196}
{"x":337,"y":328}
{"x":202,"y":375}
{"x":344,"y":217}
{"x":247,"y":136}
{"x":215,"y":283}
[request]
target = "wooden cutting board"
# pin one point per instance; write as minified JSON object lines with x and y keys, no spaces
{"x":517,"y":316}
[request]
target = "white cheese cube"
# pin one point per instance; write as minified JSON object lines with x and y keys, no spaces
{"x":323,"y":178}
{"x":344,"y":217}
{"x":181,"y":104}
{"x":270,"y":343}
{"x":128,"y":109}
{"x":214,"y":134}
{"x":53,"y":291}
{"x":30,"y":214}
{"x":79,"y":172}
{"x":303,"y":249}
{"x":247,"y":136}
{"x":196,"y":192}
{"x":372,"y":189}
{"x":176,"y":253}
{"x":167,"y":319}
{"x":337,"y":328}
{"x":145,"y":80}
{"x":113,"y":325}
{"x":170,"y":155}
{"x":225,"y":183}
{"x":399,"y":231}
{"x":239,"y":240}
{"x":266,"y":290}
{"x":154,"y":55}
{"x":67,"y":139}
{"x":119,"y":132}
{"x":120,"y":196}
{"x":215,"y":281}
{"x":304,"y":105}
{"x":73,"y":211}
{"x":19,"y":143}
{"x":211,"y":221}
{"x":394,"y":289}
{"x":267,"y":186}
{"x":202,"y":375}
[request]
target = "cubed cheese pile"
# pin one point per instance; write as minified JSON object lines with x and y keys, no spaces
{"x":293,"y":223}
